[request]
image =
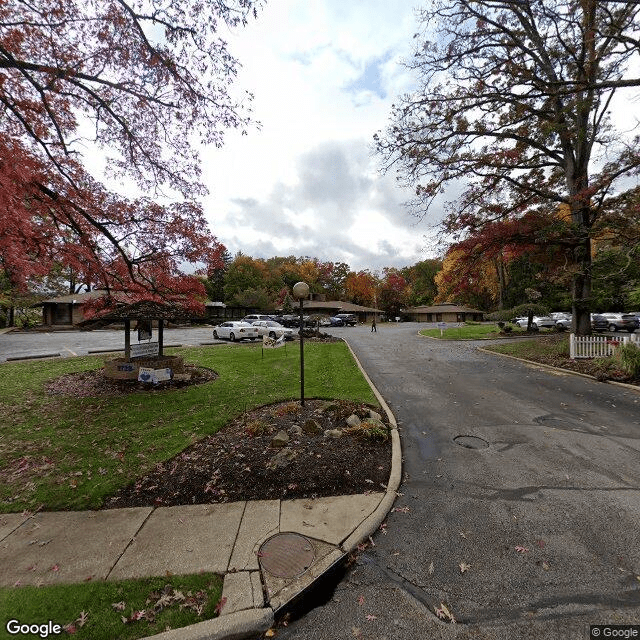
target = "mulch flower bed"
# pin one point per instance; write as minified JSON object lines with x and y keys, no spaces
{"x":241,"y":462}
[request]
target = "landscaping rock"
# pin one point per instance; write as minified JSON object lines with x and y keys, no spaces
{"x":296,"y":430}
{"x":281,"y":439}
{"x":333,"y":433}
{"x":374,"y":415}
{"x":353,"y":420}
{"x":312,"y":427}
{"x":282,"y":459}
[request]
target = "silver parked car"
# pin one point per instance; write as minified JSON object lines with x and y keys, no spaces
{"x":564,"y":322}
{"x":236,"y":330}
{"x":273,"y":329}
{"x":538,"y":322}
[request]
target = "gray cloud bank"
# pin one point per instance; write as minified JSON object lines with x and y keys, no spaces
{"x":338,"y":187}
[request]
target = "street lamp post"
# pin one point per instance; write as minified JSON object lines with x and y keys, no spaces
{"x":301,"y":291}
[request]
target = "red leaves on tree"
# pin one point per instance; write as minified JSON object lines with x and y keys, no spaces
{"x":146,"y":82}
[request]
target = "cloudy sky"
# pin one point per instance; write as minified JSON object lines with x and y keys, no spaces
{"x":324,"y":75}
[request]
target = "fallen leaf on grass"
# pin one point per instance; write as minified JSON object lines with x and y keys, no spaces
{"x":361,"y":600}
{"x":370,"y":617}
{"x":520,"y":549}
{"x":70,"y":628}
{"x":55,"y":568}
{"x":431,"y":569}
{"x":84,"y":616}
{"x":119,"y":606}
{"x":464,"y":567}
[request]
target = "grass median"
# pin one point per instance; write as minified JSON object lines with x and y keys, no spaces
{"x":471,"y":332}
{"x":60,"y":453}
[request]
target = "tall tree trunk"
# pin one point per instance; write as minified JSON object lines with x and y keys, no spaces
{"x":499,"y":265}
{"x":581,"y":305}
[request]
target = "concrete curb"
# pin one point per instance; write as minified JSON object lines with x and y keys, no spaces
{"x":33,"y":357}
{"x":234,"y":626}
{"x":370,"y":524}
{"x":252,"y":622}
{"x":631,"y":387}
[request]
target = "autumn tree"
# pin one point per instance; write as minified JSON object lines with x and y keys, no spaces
{"x":141,"y":82}
{"x":391,"y":291}
{"x":421,"y":286}
{"x":514,"y":103}
{"x":244,"y":274}
{"x":361,"y":287}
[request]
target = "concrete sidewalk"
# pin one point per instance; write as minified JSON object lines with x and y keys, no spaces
{"x":69,"y":547}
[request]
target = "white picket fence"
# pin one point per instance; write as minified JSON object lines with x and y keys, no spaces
{"x":597,"y":346}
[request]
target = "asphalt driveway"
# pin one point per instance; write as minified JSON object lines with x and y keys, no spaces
{"x":534,"y":534}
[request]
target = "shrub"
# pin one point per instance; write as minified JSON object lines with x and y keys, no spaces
{"x":520,"y":310}
{"x":256,"y":428}
{"x":628,"y":355}
{"x":291,"y":407}
{"x":370,"y":429}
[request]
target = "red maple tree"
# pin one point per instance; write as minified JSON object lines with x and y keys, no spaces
{"x":147,"y":81}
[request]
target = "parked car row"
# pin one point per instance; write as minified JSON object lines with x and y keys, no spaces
{"x":256,"y":325}
{"x":599,"y":321}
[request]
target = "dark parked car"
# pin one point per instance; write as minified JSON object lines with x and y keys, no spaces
{"x":598,"y":322}
{"x":349,"y":319}
{"x":624,"y":321}
{"x":293,"y":320}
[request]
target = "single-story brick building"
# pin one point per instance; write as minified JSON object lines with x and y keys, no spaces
{"x":445,"y":312}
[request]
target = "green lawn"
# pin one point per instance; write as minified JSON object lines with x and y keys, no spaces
{"x":89,"y":607}
{"x":69,"y":453}
{"x":469,"y":332}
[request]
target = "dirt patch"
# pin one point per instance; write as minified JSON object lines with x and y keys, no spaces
{"x":241,"y":461}
{"x":94,"y":383}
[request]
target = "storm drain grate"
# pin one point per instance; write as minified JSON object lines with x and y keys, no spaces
{"x":471,"y":442}
{"x":286,"y":555}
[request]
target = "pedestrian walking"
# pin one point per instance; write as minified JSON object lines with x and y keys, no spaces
{"x":373,"y":325}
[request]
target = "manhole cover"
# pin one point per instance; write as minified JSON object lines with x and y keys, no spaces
{"x":286,"y":555}
{"x":471,"y":442}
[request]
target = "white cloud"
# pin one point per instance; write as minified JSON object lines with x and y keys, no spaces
{"x":324,"y":75}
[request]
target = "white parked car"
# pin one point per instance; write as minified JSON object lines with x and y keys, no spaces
{"x":273,"y":329}
{"x":236,"y":330}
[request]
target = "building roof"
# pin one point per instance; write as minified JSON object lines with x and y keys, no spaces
{"x":74,"y":298}
{"x":442,"y":308}
{"x":339,"y":306}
